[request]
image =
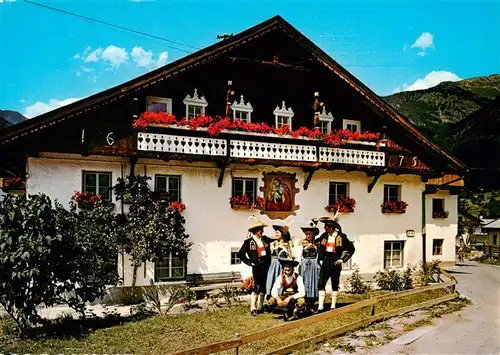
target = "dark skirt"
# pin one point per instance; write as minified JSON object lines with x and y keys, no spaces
{"x":309,"y":270}
{"x":275,"y":270}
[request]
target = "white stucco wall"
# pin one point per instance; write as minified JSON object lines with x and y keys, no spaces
{"x":215,"y":228}
{"x":446,"y":229}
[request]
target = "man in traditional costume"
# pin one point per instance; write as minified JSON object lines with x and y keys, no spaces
{"x":282,"y":246}
{"x":309,"y":267}
{"x":288,"y":290}
{"x":334,"y":248}
{"x":256,"y":252}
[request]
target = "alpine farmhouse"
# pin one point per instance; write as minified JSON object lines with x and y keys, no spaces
{"x":266,"y":123}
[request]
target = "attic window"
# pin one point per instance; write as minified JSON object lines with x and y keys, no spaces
{"x":195,"y":105}
{"x":325,"y":121}
{"x":158,"y":104}
{"x":352,"y":125}
{"x":283,"y":116}
{"x":242,"y":111}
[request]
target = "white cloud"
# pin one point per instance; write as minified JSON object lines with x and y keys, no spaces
{"x":404,"y":47}
{"x":426,"y":40}
{"x":115,"y":55}
{"x":87,"y":70}
{"x":78,"y":73}
{"x":141,"y":57}
{"x":41,"y":107}
{"x":145,"y":59}
{"x":421,"y":54}
{"x":162,"y":59}
{"x":93,"y":56}
{"x":430,"y":80}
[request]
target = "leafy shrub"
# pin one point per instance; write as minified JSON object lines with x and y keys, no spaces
{"x":355,"y":283}
{"x":29,"y":256}
{"x":389,"y":280}
{"x":426,"y":272}
{"x":407,"y":278}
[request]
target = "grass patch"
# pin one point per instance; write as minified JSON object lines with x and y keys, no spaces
{"x":450,"y":307}
{"x":408,"y":327}
{"x":160,"y":335}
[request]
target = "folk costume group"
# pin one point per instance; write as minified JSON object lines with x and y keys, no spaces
{"x":293,"y":278}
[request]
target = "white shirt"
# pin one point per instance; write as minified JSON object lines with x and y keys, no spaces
{"x":301,"y":292}
{"x":260,"y":244}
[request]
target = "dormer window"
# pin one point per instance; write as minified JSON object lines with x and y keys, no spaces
{"x":352,"y":125}
{"x":325,"y":121}
{"x":158,"y":104}
{"x":195,"y":105}
{"x":242,"y":111}
{"x":283,"y":116}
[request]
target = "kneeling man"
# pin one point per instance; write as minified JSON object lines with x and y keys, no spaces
{"x":288,"y":290}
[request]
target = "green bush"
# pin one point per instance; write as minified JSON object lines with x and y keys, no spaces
{"x":426,"y":272}
{"x":389,"y":280}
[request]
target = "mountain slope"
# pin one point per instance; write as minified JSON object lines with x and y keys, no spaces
{"x":8,"y":118}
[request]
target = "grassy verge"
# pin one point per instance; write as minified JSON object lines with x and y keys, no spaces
{"x":487,"y":260}
{"x":161,"y":335}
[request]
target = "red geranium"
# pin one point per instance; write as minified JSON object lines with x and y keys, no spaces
{"x":148,"y":118}
{"x":248,"y":284}
{"x":174,"y":205}
{"x":86,"y":199}
{"x":394,"y":207}
{"x":343,"y":204}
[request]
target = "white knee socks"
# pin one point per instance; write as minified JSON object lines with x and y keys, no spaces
{"x":260,"y":302}
{"x":253,"y":301}
{"x":334,"y":298}
{"x":321,"y":300}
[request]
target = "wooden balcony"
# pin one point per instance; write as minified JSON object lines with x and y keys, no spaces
{"x":258,"y":146}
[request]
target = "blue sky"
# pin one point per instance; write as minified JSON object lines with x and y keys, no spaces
{"x":48,"y":59}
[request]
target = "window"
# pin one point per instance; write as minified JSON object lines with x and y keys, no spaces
{"x":170,"y":184}
{"x":325,"y":121}
{"x":235,"y":260}
{"x":337,"y":190}
{"x":392,"y":193}
{"x":283,"y":116}
{"x":172,"y":267}
{"x":437,"y":246}
{"x":347,"y":265}
{"x":393,"y":254}
{"x":495,"y":239}
{"x":158,"y":104}
{"x":242,"y":186}
{"x":195,"y":105}
{"x":352,"y":125}
{"x":437,"y":205}
{"x":98,"y":183}
{"x":242,"y":111}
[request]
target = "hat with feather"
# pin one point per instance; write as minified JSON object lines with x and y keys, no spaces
{"x":311,"y":226}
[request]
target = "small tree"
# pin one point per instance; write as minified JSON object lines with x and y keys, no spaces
{"x":89,"y":253}
{"x":150,"y":229}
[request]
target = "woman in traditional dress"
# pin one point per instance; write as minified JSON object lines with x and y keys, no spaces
{"x":281,"y":247}
{"x":309,"y":267}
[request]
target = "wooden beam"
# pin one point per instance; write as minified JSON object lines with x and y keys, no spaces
{"x":373,"y":182}
{"x":308,"y":178}
{"x":222,"y":167}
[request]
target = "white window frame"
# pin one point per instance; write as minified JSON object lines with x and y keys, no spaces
{"x":97,"y":187}
{"x":326,"y":117}
{"x":433,"y":246}
{"x":399,"y":193}
{"x":195,"y":100}
{"x":254,"y":192}
{"x":392,"y":249}
{"x":167,"y":184}
{"x":283,"y":112}
{"x":334,"y":184}
{"x":346,"y":123}
{"x":160,"y":100}
{"x":170,"y":277}
{"x":236,"y":259}
{"x":242,"y":108}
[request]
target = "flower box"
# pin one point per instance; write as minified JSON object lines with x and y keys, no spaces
{"x":85,"y":200}
{"x":343,"y":205}
{"x":244,"y":203}
{"x":440,"y":215}
{"x":397,"y":207}
{"x":13,"y":183}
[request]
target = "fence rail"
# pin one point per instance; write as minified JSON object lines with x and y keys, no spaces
{"x":492,"y":250}
{"x":249,"y":338}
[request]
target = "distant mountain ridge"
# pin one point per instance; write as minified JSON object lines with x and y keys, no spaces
{"x":9,"y":118}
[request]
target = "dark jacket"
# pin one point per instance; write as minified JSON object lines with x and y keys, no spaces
{"x":344,"y":248}
{"x":248,"y":251}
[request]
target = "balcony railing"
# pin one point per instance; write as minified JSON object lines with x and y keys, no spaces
{"x":156,"y":142}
